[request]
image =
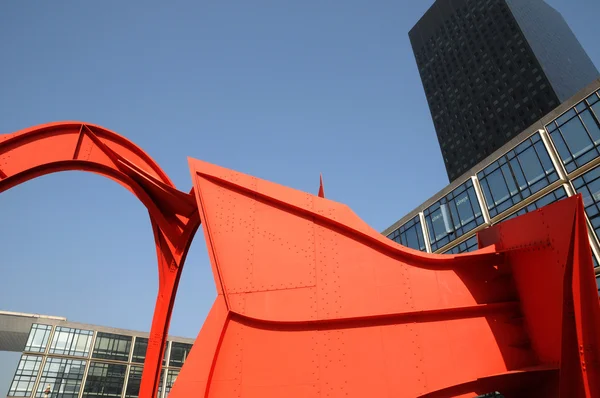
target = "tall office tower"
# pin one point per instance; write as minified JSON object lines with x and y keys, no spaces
{"x":490,"y":68}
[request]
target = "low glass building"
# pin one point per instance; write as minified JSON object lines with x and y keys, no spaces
{"x":556,"y":157}
{"x":70,"y":360}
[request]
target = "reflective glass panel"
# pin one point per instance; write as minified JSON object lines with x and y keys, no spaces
{"x":179,"y":353}
{"x":62,"y":377}
{"x":139,"y":350}
{"x":453,"y":216}
{"x":589,"y":186}
{"x":596,"y":110}
{"x":38,"y":338}
{"x":410,"y":235}
{"x":598,"y":283}
{"x":592,"y":99}
{"x":467,"y":246}
{"x":112,"y":346}
{"x":552,"y":197}
{"x":594,"y":260}
{"x":171,"y":377}
{"x":72,"y":342}
{"x":133,"y":382}
{"x":104,"y":380}
{"x":578,"y":135}
{"x":161,"y":382}
{"x":517,"y":175}
{"x":24,"y":379}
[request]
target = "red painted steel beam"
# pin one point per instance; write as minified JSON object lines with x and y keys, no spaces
{"x":312,"y":302}
{"x":55,"y":147}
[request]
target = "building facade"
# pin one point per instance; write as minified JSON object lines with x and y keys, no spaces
{"x":64,"y":359}
{"x":490,"y":69}
{"x":558,"y":156}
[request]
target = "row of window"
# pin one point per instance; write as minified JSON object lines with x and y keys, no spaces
{"x":77,"y":343}
{"x":471,"y":243}
{"x":514,"y":177}
{"x":588,"y":185}
{"x":64,"y":378}
{"x":576,"y":134}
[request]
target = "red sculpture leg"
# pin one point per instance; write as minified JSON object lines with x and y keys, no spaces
{"x":312,"y":302}
{"x":170,"y":266}
{"x":65,"y":146}
{"x":551,"y":267}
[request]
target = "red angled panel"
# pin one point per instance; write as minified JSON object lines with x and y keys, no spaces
{"x":319,"y":304}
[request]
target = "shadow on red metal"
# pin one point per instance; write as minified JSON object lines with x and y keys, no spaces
{"x":312,"y":302}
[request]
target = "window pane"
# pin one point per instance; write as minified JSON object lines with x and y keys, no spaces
{"x":410,"y":235}
{"x":561,"y":147}
{"x":24,"y":379}
{"x":62,"y":377}
{"x":72,"y":342}
{"x":104,"y":380}
{"x":592,"y":99}
{"x":179,"y":353}
{"x":589,"y":186}
{"x":498,"y":188}
{"x":567,"y":116}
{"x":577,"y":138}
{"x":596,"y":109}
{"x":580,"y":145}
{"x":171,"y":377}
{"x":133,"y":382}
{"x":531,"y":166}
{"x":591,"y":126}
{"x":507,"y":182}
{"x":463,"y":208}
{"x":139,"y":350}
{"x":38,"y":338}
{"x":161,"y":381}
{"x":112,"y":346}
{"x":452,"y":216}
{"x":552,"y":197}
{"x":467,"y":246}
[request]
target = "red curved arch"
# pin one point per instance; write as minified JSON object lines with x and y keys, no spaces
{"x":62,"y":146}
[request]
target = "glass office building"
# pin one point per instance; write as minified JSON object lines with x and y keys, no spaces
{"x":490,"y":68}
{"x":65,"y":360}
{"x":557,"y":157}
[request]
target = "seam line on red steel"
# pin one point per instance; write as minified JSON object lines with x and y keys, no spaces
{"x":418,"y":259}
{"x":213,"y":364}
{"x":238,"y":293}
{"x":437,"y":315}
{"x":211,"y":244}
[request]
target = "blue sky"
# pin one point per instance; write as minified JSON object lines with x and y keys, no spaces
{"x":280,"y":90}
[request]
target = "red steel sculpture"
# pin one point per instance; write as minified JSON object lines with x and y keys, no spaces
{"x":54,"y":147}
{"x":312,"y":302}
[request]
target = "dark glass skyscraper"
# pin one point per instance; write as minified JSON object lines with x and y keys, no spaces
{"x":490,"y":69}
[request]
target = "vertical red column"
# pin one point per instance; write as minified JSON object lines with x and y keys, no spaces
{"x":171,"y":259}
